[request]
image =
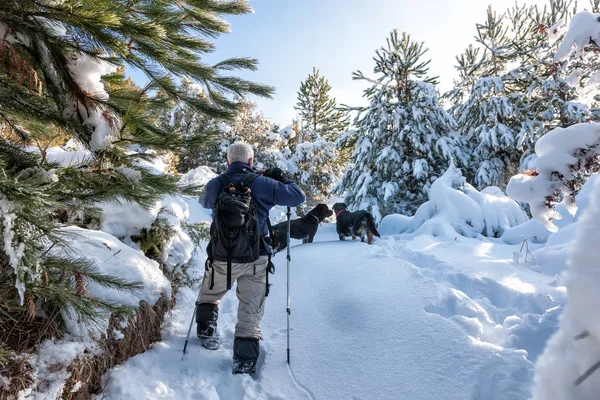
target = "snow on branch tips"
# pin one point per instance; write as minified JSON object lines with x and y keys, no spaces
{"x":14,"y":251}
{"x":102,"y":123}
{"x":584,"y":29}
{"x":565,"y":157}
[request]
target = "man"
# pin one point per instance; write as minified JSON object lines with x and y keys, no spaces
{"x":268,"y":190}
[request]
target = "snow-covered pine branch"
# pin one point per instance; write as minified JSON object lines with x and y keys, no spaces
{"x":565,"y":159}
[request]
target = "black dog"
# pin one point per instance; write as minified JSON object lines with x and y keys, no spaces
{"x":359,"y":223}
{"x":304,"y":228}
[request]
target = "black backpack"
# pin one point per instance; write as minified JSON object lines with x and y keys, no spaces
{"x":235,"y":234}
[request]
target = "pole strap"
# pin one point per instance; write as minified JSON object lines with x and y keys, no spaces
{"x":228,"y":270}
{"x":270,"y":270}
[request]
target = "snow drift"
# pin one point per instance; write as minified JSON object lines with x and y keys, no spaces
{"x":456,"y":207}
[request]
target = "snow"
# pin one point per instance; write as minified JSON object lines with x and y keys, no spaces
{"x":574,"y":79}
{"x":156,"y":166}
{"x":9,"y":35}
{"x":76,"y":387}
{"x":122,"y":219}
{"x":64,"y":157}
{"x":133,"y":175}
{"x":126,"y":220}
{"x":457,"y":208}
{"x":40,"y":174}
{"x":114,"y":258}
{"x":532,"y":229}
{"x":591,"y":87}
{"x":87,"y":72}
{"x":443,"y":319}
{"x":426,"y":315}
{"x":567,"y":139}
{"x":197,"y":177}
{"x":49,"y":373}
{"x":104,"y":132}
{"x":567,"y":358}
{"x":557,"y":30}
{"x":178,"y":250}
{"x":455,"y":302}
{"x":584,"y":27}
{"x":557,"y":152}
{"x":14,"y":251}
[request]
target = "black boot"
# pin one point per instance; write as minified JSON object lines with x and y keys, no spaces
{"x":245,"y":355}
{"x":206,"y":330}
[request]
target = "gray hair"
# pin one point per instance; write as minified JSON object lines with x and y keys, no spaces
{"x":239,"y":152}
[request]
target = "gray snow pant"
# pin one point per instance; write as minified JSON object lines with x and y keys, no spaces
{"x":251,"y":289}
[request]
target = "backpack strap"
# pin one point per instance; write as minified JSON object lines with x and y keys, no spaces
{"x":248,"y":179}
{"x":272,"y":238}
{"x":226,"y":180}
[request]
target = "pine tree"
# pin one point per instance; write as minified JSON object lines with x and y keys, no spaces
{"x":468,"y":68}
{"x":318,"y":162}
{"x":319,"y":112}
{"x":491,"y":117}
{"x":504,"y":111}
{"x":316,"y":169}
{"x":405,"y":138}
{"x":52,"y":54}
{"x":248,"y":126}
{"x":552,"y":89}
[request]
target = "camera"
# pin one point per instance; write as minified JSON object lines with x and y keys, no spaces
{"x":274,"y":173}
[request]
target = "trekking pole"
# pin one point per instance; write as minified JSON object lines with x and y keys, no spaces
{"x":289,"y":259}
{"x":187,"y":338}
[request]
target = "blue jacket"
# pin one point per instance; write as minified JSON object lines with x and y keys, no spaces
{"x":266,"y":192}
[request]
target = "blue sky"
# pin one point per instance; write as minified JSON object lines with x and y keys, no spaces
{"x":289,"y":37}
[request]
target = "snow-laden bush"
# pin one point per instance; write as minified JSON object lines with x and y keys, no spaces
{"x":566,"y":157}
{"x":575,"y":348}
{"x":161,"y":230}
{"x":456,"y":207}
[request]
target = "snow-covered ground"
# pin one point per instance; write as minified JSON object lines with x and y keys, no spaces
{"x":409,"y":317}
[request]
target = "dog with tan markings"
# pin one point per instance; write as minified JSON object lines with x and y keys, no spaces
{"x":354,"y":224}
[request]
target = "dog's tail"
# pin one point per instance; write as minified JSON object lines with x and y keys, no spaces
{"x":371,"y":225}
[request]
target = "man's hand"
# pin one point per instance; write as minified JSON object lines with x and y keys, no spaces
{"x":275,"y":173}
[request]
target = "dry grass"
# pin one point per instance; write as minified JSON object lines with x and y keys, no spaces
{"x":20,"y":328}
{"x":18,"y":370}
{"x":142,"y":330}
